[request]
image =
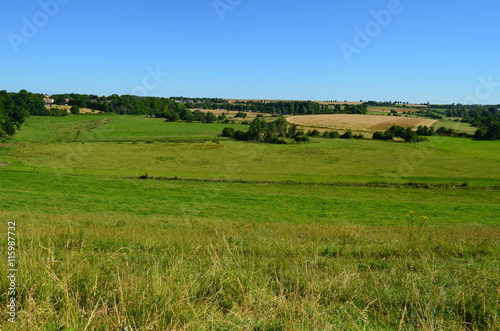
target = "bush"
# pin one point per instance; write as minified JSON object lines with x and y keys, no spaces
{"x":425,"y":131}
{"x":210,"y":118}
{"x":75,"y":110}
{"x":228,"y":132}
{"x":267,"y":132}
{"x":407,"y":134}
{"x":313,"y":133}
{"x":301,"y":138}
{"x":240,"y":114}
{"x":331,"y":134}
{"x":383,"y":136}
{"x":347,"y":135}
{"x":240,"y":135}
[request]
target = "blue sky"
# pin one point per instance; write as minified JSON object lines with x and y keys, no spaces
{"x":441,"y":52}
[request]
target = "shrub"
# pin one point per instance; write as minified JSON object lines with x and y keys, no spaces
{"x":347,"y":135}
{"x":240,"y":114}
{"x":382,"y":136}
{"x":228,"y":132}
{"x":75,"y":110}
{"x":313,"y":133}
{"x":331,"y":134}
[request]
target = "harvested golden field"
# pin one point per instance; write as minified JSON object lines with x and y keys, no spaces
{"x":358,"y":122}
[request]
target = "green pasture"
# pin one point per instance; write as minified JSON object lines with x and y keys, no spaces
{"x":457,"y":126}
{"x":120,"y":147}
{"x":133,"y":223}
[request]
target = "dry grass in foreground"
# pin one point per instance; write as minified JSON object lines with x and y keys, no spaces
{"x":110,"y":272}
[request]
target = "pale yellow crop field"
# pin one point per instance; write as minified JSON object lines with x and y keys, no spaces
{"x":358,"y":122}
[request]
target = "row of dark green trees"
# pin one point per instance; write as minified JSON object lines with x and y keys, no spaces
{"x":290,"y":107}
{"x":134,"y":105}
{"x":281,"y":132}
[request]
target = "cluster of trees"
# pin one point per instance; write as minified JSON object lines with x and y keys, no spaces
{"x":189,"y":116}
{"x":240,"y":114}
{"x":426,"y":131}
{"x":441,"y":131}
{"x":489,"y":129}
{"x":280,"y":132}
{"x":275,"y":132}
{"x":397,"y":131}
{"x":468,"y":111}
{"x":430,"y":114}
{"x":457,"y":112}
{"x":334,"y":134}
{"x":487,"y":120}
{"x":414,"y":136}
{"x":15,"y":107}
{"x":349,"y":109}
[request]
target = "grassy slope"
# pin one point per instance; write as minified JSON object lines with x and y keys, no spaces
{"x":457,"y":126}
{"x":104,"y":251}
{"x":442,"y":160}
{"x":106,"y":127}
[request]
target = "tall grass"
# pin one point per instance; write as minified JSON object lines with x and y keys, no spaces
{"x":111,"y":272}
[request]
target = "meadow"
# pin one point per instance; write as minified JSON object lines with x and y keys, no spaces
{"x":132,"y":222}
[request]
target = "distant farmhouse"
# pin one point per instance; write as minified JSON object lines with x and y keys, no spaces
{"x":48,"y":101}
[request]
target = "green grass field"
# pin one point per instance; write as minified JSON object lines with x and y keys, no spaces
{"x":457,"y":126}
{"x":133,"y":222}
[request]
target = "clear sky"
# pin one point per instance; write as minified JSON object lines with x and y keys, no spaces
{"x":416,"y":50}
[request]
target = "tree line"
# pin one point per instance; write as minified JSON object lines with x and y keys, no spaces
{"x":282,"y":132}
{"x":135,"y":105}
{"x":487,"y":121}
{"x":121,"y":105}
{"x":290,"y":107}
{"x":407,"y":134}
{"x":403,"y":104}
